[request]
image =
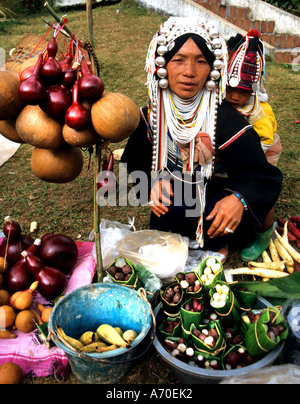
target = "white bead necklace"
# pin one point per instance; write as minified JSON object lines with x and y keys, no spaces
{"x":185,"y":118}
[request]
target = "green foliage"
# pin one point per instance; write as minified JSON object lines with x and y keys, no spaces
{"x":287,"y":5}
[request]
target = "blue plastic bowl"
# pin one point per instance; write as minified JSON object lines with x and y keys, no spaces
{"x":85,"y":309}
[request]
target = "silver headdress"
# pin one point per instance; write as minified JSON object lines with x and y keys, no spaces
{"x":157,"y":80}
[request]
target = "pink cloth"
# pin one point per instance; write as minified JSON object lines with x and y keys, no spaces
{"x":27,"y":350}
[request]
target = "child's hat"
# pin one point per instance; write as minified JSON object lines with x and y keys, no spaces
{"x":246,"y":66}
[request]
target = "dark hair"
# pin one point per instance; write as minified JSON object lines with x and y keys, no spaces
{"x":199,"y":41}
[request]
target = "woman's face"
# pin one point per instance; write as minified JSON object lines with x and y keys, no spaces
{"x":188,"y":70}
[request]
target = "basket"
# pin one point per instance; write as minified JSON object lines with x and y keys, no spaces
{"x":27,"y":51}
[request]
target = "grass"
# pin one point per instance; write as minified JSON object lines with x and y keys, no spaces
{"x":121,"y":40}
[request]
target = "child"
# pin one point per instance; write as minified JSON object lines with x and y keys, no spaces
{"x":246,"y":93}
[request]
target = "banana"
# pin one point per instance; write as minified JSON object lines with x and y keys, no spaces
{"x":129,"y":336}
{"x":74,"y":343}
{"x":119,"y":330}
{"x":98,"y":347}
{"x":111,"y":336}
{"x":89,"y":337}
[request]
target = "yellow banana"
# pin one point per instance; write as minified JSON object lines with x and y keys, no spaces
{"x":74,"y":343}
{"x":89,"y":337}
{"x":111,"y":336}
{"x":119,"y":330}
{"x":98,"y":347}
{"x":129,"y":336}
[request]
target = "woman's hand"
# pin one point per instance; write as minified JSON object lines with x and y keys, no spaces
{"x":160,"y":197}
{"x":226,"y":216}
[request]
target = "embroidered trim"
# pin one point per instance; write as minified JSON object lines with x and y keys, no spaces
{"x":236,"y":136}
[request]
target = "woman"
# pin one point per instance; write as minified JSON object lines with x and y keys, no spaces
{"x":209,"y":176}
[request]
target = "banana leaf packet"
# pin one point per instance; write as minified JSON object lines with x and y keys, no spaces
{"x":261,"y":336}
{"x":207,"y":279}
{"x":248,"y":318}
{"x":119,"y":263}
{"x":167,"y":330}
{"x":190,"y":317}
{"x":245,"y":298}
{"x":170,"y":307}
{"x":201,"y":346}
{"x":229,"y":312}
{"x":151,"y":283}
{"x":190,"y":283}
{"x":244,"y":358}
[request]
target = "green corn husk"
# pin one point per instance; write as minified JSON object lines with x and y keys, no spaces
{"x":188,"y":318}
{"x":176,"y":330}
{"x":245,"y":298}
{"x":171,"y":309}
{"x":196,"y":294}
{"x":219,"y":276}
{"x":230,"y":311}
{"x":256,"y":339}
{"x":201,"y":347}
{"x":133,"y":281}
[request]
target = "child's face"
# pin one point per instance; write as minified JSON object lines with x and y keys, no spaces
{"x":237,"y":97}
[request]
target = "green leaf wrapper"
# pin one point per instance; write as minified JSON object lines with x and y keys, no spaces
{"x":257,"y":340}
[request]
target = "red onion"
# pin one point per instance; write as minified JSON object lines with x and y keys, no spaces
{"x":12,"y":248}
{"x":31,"y":90}
{"x":11,"y":229}
{"x":69,"y":78}
{"x":57,"y":100}
{"x":52,"y":282}
{"x":26,"y":73}
{"x":90,"y":86}
{"x":34,"y":249}
{"x":33,"y":263}
{"x":77,"y":117}
{"x":51,"y":67}
{"x":26,"y":242}
{"x":59,"y":251}
{"x":17,"y":277}
{"x":66,"y":63}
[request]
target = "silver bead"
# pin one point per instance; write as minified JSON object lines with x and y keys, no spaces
{"x":161,"y":50}
{"x":210,"y":85}
{"x":163,"y":83}
{"x":218,"y":53}
{"x":162,"y":72}
{"x":213,"y":32}
{"x":161,"y":40}
{"x":164,"y":31}
{"x":160,"y":61}
{"x":214,"y":74}
{"x":217,"y":64}
{"x":216,"y":43}
{"x":234,"y":81}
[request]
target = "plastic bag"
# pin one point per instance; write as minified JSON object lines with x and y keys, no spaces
{"x":163,"y":253}
{"x":279,"y":374}
{"x":111,"y":232}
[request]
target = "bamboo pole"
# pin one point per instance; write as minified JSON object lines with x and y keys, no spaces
{"x":89,"y":13}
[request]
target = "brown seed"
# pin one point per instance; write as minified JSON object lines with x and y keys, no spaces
{"x":126,"y":269}
{"x":119,"y":276}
